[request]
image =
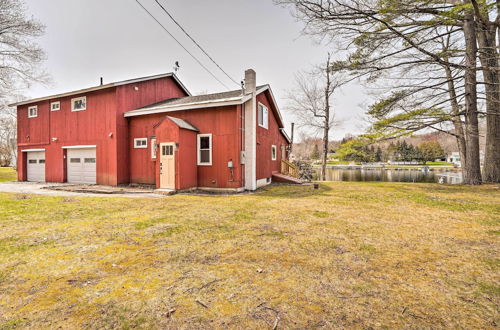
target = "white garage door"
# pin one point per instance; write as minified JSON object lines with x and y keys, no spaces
{"x":36,"y":166}
{"x":81,"y":166}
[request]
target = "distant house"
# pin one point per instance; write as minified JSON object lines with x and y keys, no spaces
{"x":151,"y":130}
{"x":454,"y":158}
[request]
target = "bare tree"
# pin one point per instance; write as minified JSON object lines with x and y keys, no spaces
{"x":487,"y":19}
{"x":311,"y":102}
{"x":20,"y":59}
{"x":20,"y":56}
{"x":398,"y":43}
{"x":7,"y":141}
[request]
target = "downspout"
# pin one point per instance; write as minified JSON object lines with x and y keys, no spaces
{"x":242,"y":143}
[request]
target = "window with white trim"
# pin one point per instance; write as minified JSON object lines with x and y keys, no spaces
{"x":79,"y":103}
{"x":204,"y":149}
{"x":153,"y":148}
{"x":33,"y":112}
{"x":273,"y":152}
{"x":263,"y":116}
{"x":140,"y":143}
{"x":55,"y":106}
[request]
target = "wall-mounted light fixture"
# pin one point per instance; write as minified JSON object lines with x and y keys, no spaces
{"x":110,"y":134}
{"x":54,"y":139}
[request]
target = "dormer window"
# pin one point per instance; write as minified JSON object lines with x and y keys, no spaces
{"x":79,"y":103}
{"x":33,"y":112}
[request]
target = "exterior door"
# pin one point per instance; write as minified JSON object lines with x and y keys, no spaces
{"x":36,"y":166}
{"x":81,"y":165}
{"x":167,"y":165}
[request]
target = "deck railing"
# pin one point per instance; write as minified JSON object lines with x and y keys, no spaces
{"x":288,"y":168}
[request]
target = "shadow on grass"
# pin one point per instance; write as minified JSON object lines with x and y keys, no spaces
{"x":293,"y":191}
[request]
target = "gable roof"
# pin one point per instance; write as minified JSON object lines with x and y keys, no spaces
{"x":183,"y":124}
{"x":113,"y":84}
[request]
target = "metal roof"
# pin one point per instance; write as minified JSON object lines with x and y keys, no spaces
{"x":113,"y":84}
{"x":205,"y":98}
{"x":195,"y":102}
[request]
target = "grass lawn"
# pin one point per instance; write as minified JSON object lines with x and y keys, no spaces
{"x":339,"y":162}
{"x":356,"y":255}
{"x":7,"y":174}
{"x":438,"y":164}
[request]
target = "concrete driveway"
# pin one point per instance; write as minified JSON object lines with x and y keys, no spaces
{"x":40,"y":188}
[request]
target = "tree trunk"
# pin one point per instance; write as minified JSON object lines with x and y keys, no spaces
{"x":326,"y":128}
{"x":457,"y":121}
{"x":472,"y":169}
{"x":489,"y":62}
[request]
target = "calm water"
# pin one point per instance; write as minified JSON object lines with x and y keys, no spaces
{"x":391,"y":175}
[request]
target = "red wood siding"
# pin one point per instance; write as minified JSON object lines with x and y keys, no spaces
{"x":128,"y":98}
{"x":103,"y":117}
{"x":88,"y":127}
{"x":185,"y":156}
{"x":265,"y":139}
{"x":186,"y":160}
{"x":222,"y":122}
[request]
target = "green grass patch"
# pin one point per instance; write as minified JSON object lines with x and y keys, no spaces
{"x":7,"y":174}
{"x":321,"y":214}
{"x":367,"y":248}
{"x":489,"y":289}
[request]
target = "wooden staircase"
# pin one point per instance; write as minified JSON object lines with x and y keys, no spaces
{"x":289,"y":173}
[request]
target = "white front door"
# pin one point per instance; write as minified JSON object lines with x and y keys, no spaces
{"x":36,"y":166}
{"x":167,"y":165}
{"x":81,"y":165}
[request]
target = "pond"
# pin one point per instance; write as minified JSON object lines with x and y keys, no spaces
{"x":449,"y":176}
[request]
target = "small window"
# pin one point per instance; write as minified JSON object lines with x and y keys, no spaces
{"x":74,"y":160}
{"x":167,"y":150}
{"x":263,"y":116}
{"x":33,"y":112}
{"x":32,"y":161}
{"x":55,"y":106}
{"x":79,"y":103}
{"x":140,"y":143}
{"x":205,"y":149}
{"x":153,"y":148}
{"x":41,"y":161}
{"x":273,"y":152}
{"x":89,"y":160}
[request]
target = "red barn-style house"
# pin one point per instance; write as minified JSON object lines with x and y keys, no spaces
{"x":153,"y":131}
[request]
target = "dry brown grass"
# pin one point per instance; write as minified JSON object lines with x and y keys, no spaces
{"x":355,"y":255}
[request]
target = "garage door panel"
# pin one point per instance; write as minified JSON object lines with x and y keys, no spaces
{"x":36,"y":166}
{"x":81,"y":166}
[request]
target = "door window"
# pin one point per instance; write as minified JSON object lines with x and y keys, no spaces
{"x":167,"y":150}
